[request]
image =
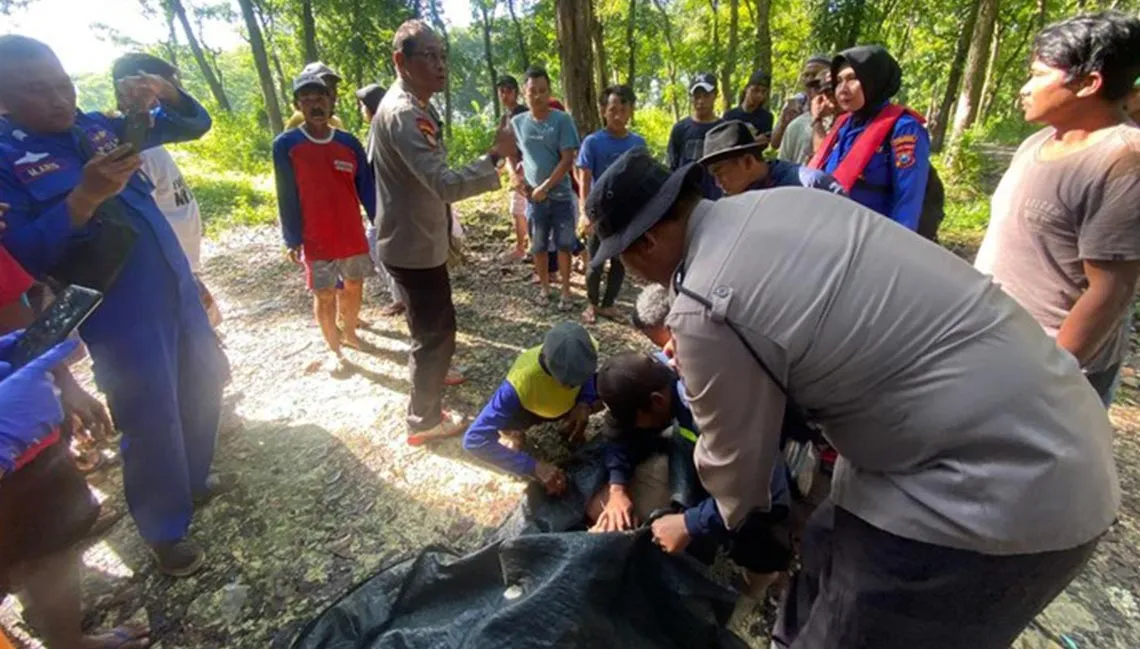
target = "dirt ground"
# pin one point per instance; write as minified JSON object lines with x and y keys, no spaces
{"x":329,"y":492}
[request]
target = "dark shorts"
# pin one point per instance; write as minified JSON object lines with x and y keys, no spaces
{"x":551,"y":220}
{"x":45,"y":507}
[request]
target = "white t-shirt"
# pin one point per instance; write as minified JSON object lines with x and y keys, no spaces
{"x":175,"y":201}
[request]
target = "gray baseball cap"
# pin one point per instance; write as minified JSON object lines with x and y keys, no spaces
{"x":316,"y":68}
{"x":569,"y":354}
{"x":308,"y":80}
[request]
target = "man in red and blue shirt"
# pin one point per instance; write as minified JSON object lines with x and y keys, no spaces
{"x":323,"y":177}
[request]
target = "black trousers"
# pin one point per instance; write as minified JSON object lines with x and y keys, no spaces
{"x":860,"y":586}
{"x":426,"y":293}
{"x":594,"y":277}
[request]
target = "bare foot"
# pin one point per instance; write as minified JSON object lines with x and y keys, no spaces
{"x":393,"y":309}
{"x":123,"y":637}
{"x":452,"y":425}
{"x":589,"y":316}
{"x":351,"y":340}
{"x":609,"y":312}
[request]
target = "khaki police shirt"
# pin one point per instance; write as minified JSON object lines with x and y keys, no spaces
{"x":414,"y":182}
{"x":959,"y":422}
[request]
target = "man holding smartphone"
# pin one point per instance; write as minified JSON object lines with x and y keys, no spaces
{"x":78,"y":207}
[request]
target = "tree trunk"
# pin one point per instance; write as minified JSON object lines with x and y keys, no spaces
{"x":572,"y":21}
{"x":631,"y":42}
{"x":856,"y":25}
{"x":601,"y":62}
{"x":212,"y":81}
{"x":730,"y":55}
{"x":487,"y":54}
{"x":714,"y":6}
{"x":308,"y":32}
{"x":762,"y":58}
{"x":261,"y":61}
{"x":991,"y":71}
{"x":672,"y":61}
{"x":975,"y":72}
{"x":519,"y":34}
{"x":942,"y":117}
{"x":267,"y":28}
{"x":437,"y":22}
{"x":172,"y":37}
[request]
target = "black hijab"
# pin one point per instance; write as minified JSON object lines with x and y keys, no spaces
{"x":878,"y":72}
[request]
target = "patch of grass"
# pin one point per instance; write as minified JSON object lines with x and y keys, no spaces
{"x":233,"y":199}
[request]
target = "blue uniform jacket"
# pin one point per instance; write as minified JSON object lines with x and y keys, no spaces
{"x":894,"y":181}
{"x":38,"y":171}
{"x":703,"y":519}
{"x":505,"y":412}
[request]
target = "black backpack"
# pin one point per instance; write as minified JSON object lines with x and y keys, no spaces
{"x":933,"y":206}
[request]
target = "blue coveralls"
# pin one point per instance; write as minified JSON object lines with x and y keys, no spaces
{"x":894,"y":181}
{"x":155,"y":355}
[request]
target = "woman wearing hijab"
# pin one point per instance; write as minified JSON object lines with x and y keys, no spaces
{"x":878,"y":151}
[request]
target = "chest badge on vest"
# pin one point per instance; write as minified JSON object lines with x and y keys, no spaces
{"x":426,"y":127}
{"x":903,"y":147}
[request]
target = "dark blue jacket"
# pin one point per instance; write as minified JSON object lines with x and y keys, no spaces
{"x":894,"y":181}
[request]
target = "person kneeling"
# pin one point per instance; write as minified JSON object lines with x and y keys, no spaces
{"x":646,"y":399}
{"x":554,"y":381}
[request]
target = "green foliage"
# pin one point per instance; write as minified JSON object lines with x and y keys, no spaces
{"x":229,"y":199}
{"x":470,"y":138}
{"x":238,"y":142}
{"x":654,"y":124}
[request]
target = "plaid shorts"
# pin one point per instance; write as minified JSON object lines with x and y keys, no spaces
{"x":322,"y":274}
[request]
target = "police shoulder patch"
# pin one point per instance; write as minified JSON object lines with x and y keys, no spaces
{"x":428,"y":129}
{"x":903,"y":149}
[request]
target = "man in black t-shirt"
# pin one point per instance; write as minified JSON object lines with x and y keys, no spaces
{"x":752,"y":106}
{"x":687,"y":140}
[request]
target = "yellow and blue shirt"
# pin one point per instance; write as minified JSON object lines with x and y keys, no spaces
{"x":528,"y":396}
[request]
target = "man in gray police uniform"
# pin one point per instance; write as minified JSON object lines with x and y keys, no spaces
{"x":976,"y":473}
{"x":415,"y":188}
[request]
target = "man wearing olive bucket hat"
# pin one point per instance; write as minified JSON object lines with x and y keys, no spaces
{"x":976,"y":473}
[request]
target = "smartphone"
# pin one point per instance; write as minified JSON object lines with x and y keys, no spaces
{"x":134,"y":133}
{"x":70,"y":308}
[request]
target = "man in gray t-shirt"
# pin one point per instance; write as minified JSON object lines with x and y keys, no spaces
{"x":1064,"y":234}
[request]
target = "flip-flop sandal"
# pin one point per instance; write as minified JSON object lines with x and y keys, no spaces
{"x":589,"y":317}
{"x":453,"y":379}
{"x":125,"y":637}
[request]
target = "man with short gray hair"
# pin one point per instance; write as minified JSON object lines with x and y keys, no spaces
{"x":416,"y":187}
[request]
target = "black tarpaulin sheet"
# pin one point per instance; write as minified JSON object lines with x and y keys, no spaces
{"x":567,"y":590}
{"x":536,"y":585}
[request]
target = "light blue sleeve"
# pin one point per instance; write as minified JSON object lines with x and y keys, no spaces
{"x":567,"y":131}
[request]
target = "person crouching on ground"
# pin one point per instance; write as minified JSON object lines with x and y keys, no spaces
{"x":645,"y":398}
{"x":554,"y":381}
{"x":736,"y":160}
{"x":323,"y":176}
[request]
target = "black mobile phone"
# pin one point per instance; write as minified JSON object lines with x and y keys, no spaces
{"x":70,"y":308}
{"x":134,"y":132}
